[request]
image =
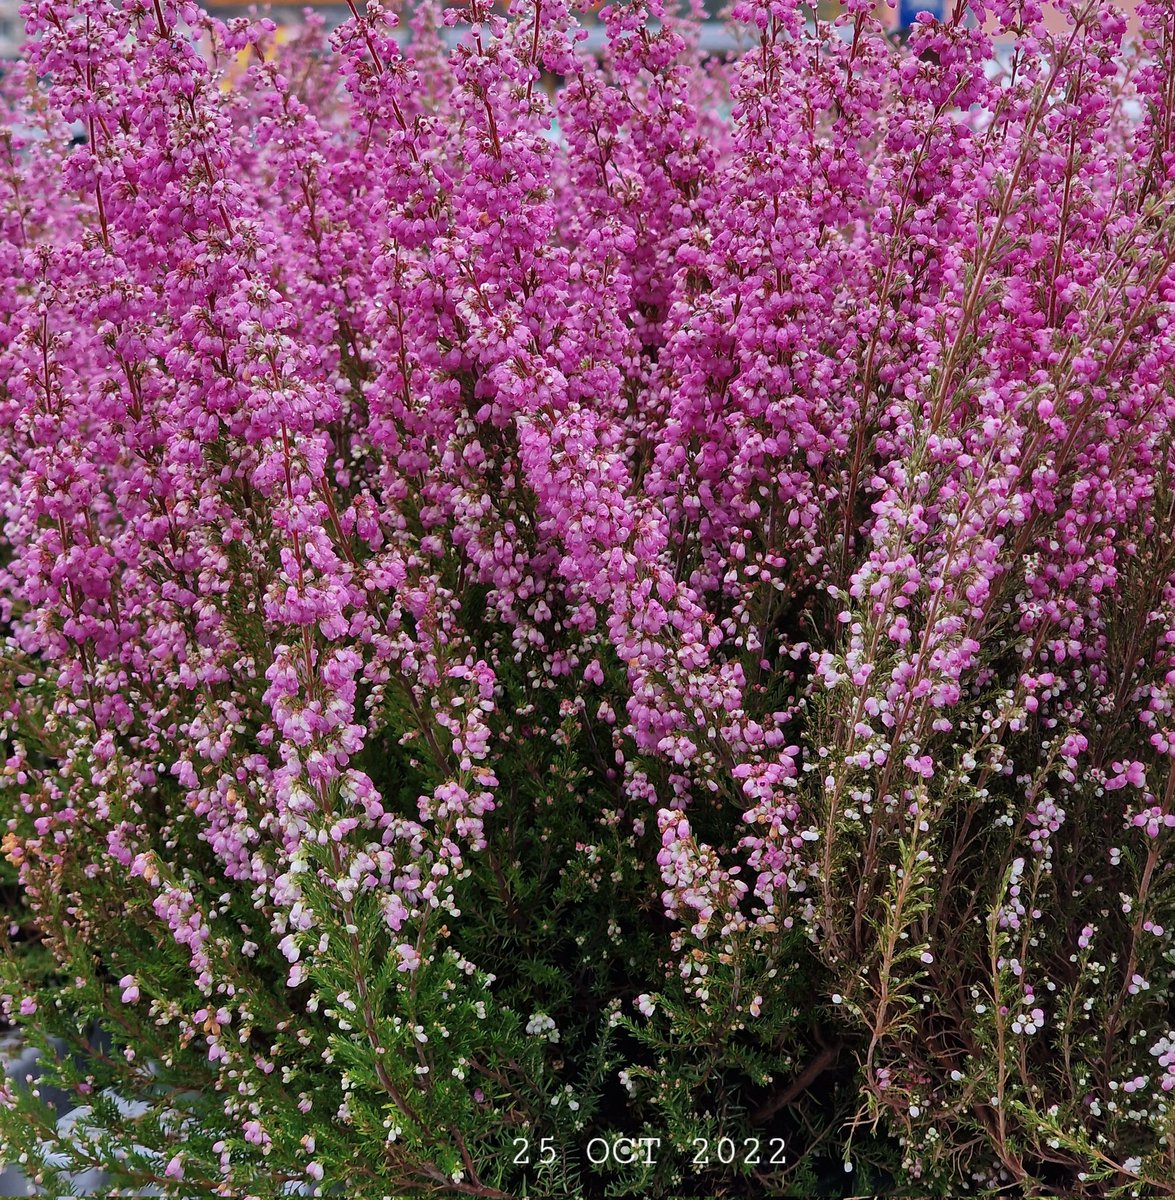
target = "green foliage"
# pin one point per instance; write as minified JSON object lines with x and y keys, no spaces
{"x":419,"y":1081}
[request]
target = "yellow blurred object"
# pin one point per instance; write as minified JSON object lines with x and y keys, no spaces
{"x":11,"y":848}
{"x":241,"y":61}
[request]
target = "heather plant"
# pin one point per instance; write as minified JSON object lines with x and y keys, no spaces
{"x":614,"y":639}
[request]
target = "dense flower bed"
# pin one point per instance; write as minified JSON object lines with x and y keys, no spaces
{"x":639,"y":611}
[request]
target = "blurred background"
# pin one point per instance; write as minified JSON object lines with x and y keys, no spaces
{"x":10,"y":28}
{"x":898,"y":16}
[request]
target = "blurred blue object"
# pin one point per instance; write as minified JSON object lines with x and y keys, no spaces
{"x":909,"y":11}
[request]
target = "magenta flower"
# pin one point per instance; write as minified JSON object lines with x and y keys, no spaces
{"x":705,"y":525}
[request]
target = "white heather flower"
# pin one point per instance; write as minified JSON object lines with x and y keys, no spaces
{"x":541,"y":1025}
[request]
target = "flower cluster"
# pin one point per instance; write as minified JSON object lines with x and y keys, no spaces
{"x":534,"y":570}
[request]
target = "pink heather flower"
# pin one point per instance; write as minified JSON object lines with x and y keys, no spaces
{"x":1153,"y":820}
{"x":174,"y":1168}
{"x":1138,"y":984}
{"x":824,"y":397}
{"x":409,"y":958}
{"x":1132,"y":773}
{"x":254,"y":1133}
